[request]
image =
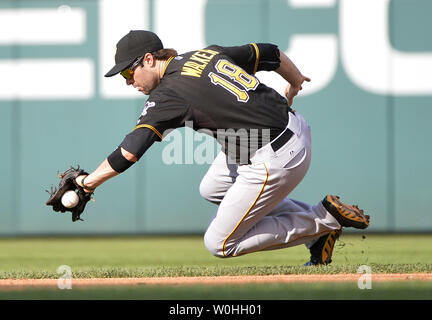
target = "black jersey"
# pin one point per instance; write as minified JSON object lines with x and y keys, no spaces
{"x":215,"y":89}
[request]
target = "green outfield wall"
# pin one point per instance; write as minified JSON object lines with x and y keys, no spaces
{"x":369,"y":105}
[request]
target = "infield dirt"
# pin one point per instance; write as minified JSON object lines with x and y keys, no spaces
{"x":8,"y":284}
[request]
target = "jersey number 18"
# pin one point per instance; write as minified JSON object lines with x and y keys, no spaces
{"x":240,"y":77}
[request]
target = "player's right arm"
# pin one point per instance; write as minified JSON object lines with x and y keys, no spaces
{"x":288,"y":70}
{"x":253,"y":57}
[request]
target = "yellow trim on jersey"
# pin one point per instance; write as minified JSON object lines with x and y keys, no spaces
{"x":247,"y":212}
{"x":257,"y":53}
{"x":166,"y":65}
{"x":149,"y":127}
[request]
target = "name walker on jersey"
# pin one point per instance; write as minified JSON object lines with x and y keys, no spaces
{"x":197,"y":62}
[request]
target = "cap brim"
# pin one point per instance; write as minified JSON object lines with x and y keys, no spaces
{"x":118,"y":68}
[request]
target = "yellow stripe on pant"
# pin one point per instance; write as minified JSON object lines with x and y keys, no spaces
{"x":247,"y":212}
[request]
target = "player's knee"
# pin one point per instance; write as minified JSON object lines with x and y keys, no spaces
{"x":214,"y":245}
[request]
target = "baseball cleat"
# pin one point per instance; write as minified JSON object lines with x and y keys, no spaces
{"x":347,"y":215}
{"x":322,"y":249}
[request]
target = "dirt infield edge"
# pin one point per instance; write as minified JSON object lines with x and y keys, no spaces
{"x":220,"y":280}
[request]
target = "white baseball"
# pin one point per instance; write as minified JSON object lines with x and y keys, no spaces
{"x":70,"y":199}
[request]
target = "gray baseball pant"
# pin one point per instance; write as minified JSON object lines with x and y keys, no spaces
{"x":254,"y":213}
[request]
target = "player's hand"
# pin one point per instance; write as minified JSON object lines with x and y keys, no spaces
{"x":292,"y":91}
{"x":69,"y":182}
{"x":79,"y":181}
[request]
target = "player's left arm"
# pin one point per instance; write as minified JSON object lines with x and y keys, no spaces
{"x":132,"y":148}
{"x":136,"y":143}
{"x":103,"y":173}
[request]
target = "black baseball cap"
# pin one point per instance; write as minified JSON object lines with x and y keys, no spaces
{"x":133,"y":45}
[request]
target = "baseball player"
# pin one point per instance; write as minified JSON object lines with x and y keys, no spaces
{"x":266,"y":145}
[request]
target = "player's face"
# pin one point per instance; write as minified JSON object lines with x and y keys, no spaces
{"x":145,"y":77}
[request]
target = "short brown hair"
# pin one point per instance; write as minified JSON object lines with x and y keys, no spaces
{"x":164,"y":54}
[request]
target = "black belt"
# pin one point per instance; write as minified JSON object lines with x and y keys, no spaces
{"x":282,"y":139}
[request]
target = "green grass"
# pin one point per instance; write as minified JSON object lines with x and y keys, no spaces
{"x":187,"y":256}
{"x":154,"y":256}
{"x":413,"y":290}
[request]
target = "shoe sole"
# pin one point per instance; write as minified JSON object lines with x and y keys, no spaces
{"x":327,"y":250}
{"x":346,"y":215}
{"x":328,"y":247}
